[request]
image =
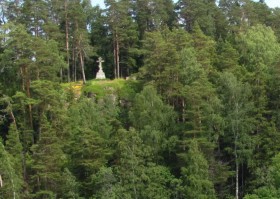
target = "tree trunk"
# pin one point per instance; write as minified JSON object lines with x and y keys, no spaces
{"x":236,"y":179}
{"x":115,"y":63}
{"x":73,"y":64}
{"x":82,"y":67}
{"x":26,"y":88}
{"x":24,"y":166}
{"x":67,"y":40}
{"x":23,"y":79}
{"x":236,"y":168}
{"x":116,"y":56}
{"x":13,"y":118}
{"x":29,"y":105}
{"x":183,"y":110}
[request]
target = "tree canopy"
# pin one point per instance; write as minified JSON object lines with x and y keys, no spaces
{"x":190,"y":107}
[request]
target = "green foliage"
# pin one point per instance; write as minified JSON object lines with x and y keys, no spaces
{"x":11,"y":179}
{"x":198,"y":11}
{"x":237,"y":110}
{"x":259,"y":48}
{"x":263,"y":193}
{"x":32,"y":55}
{"x":139,"y":177}
{"x":89,"y":128}
{"x":149,"y":110}
{"x":48,"y":160}
{"x":227,"y":58}
{"x":123,"y":34}
{"x":195,"y":176}
{"x":101,"y":88}
{"x":131,"y":168}
{"x":159,"y":183}
{"x":153,"y":119}
{"x":105,"y":184}
{"x":270,"y":188}
{"x":14,"y":148}
{"x":69,"y":185}
{"x":197,"y":117}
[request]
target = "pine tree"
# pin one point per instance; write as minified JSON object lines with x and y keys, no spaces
{"x":205,"y":49}
{"x":195,"y":176}
{"x":102,"y":41}
{"x":15,"y":149}
{"x":124,"y":35}
{"x":162,"y":59}
{"x":154,"y":15}
{"x":227,"y":56}
{"x":197,"y":11}
{"x":69,"y":186}
{"x":131,"y":167}
{"x":89,"y":129}
{"x":48,"y":160}
{"x":10,"y":181}
{"x":153,"y":119}
{"x":34,"y":16}
{"x":105,"y":184}
{"x":236,"y":12}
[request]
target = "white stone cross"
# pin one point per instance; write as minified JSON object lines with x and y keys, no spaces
{"x":100,"y":61}
{"x":100,"y":74}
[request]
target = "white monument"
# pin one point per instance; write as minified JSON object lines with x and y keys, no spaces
{"x":100,"y":74}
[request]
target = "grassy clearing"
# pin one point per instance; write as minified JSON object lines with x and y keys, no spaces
{"x":99,"y":88}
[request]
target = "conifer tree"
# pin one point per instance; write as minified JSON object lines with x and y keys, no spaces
{"x":124,"y":35}
{"x":89,"y":129}
{"x":195,"y":176}
{"x":205,"y":49}
{"x":48,"y":160}
{"x":11,"y":182}
{"x":34,"y":16}
{"x":227,"y":57}
{"x":154,"y":15}
{"x":15,"y":149}
{"x":197,"y":11}
{"x":131,"y":168}
{"x":153,"y":119}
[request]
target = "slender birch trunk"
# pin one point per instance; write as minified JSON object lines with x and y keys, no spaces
{"x":82,"y":67}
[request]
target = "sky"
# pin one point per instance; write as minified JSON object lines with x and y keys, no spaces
{"x":273,"y":3}
{"x":98,"y":2}
{"x":270,"y":3}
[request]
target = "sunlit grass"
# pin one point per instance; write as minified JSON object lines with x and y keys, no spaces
{"x":100,"y":88}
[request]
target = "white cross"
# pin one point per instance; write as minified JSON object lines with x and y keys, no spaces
{"x":100,"y":60}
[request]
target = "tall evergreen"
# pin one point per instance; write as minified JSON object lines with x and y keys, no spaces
{"x":195,"y":176}
{"x":197,"y":11}
{"x":10,"y":180}
{"x":123,"y":36}
{"x":47,"y":162}
{"x":198,"y":117}
{"x":89,"y":129}
{"x":153,"y":119}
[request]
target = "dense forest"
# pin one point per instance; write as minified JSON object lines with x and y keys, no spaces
{"x":198,"y":116}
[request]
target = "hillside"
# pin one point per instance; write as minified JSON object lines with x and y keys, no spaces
{"x":202,"y":120}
